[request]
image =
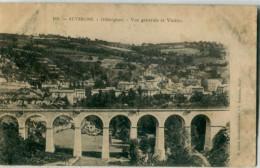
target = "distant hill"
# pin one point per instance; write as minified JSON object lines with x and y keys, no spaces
{"x":54,"y":58}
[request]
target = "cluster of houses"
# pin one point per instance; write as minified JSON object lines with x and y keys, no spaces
{"x":150,"y":84}
{"x":155,"y":84}
{"x":72,"y":95}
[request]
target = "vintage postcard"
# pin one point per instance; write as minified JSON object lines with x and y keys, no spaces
{"x":127,"y":85}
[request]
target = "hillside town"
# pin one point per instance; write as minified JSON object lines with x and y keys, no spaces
{"x":174,"y":70}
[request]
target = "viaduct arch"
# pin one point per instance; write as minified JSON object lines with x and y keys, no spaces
{"x":217,"y":119}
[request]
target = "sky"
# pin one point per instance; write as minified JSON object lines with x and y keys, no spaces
{"x":198,"y":23}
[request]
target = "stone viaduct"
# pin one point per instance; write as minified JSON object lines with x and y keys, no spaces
{"x":215,"y":120}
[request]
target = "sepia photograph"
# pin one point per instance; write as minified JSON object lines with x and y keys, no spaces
{"x":113,"y":85}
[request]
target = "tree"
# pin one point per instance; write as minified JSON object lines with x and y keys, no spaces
{"x":147,"y":145}
{"x":222,"y":99}
{"x":219,"y":154}
{"x":180,"y":98}
{"x":214,"y":73}
{"x":197,"y":97}
{"x":66,"y":101}
{"x":99,"y":83}
{"x":180,"y":153}
{"x":177,"y":61}
{"x":120,"y":127}
{"x":94,"y":120}
{"x":132,"y":67}
{"x":175,"y":138}
{"x":104,"y":76}
{"x":123,"y":98}
{"x":201,"y":100}
{"x":207,"y":100}
{"x":204,"y":83}
{"x":188,"y":59}
{"x":35,"y":142}
{"x":16,"y":151}
{"x":131,"y":98}
{"x":198,"y":131}
{"x":124,"y":133}
{"x":11,"y":144}
{"x":139,"y":90}
{"x":125,"y":76}
{"x":134,"y":151}
{"x":149,"y":77}
{"x":175,"y":132}
{"x":100,"y":99}
{"x":215,"y":52}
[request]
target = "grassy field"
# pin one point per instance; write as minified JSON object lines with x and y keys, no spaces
{"x":110,"y":63}
{"x":91,"y":145}
{"x":188,"y":51}
{"x":117,"y":48}
{"x":198,"y":60}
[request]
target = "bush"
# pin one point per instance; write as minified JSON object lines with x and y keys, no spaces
{"x":183,"y":156}
{"x":149,"y":160}
{"x":124,"y":134}
{"x":219,"y":154}
{"x":137,"y":159}
{"x":134,"y":151}
{"x":34,"y":144}
{"x":147,"y":145}
{"x":12,"y":148}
